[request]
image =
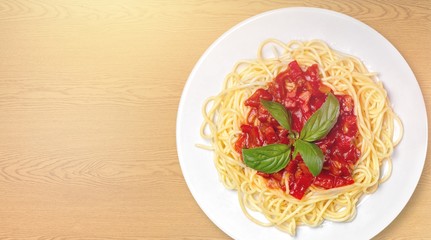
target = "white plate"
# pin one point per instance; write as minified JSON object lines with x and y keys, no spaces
{"x":342,"y":33}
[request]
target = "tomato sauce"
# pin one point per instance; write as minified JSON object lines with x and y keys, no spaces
{"x":302,"y":93}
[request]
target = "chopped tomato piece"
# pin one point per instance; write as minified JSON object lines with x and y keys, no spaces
{"x":263,"y":114}
{"x":295,"y":71}
{"x":269,"y":134}
{"x":343,"y":181}
{"x":300,"y":178}
{"x":240,"y":143}
{"x":346,"y":103}
{"x":312,"y":73}
{"x":305,"y":96}
{"x":253,"y":137}
{"x":254,"y":100}
{"x":325,"y":180}
{"x":252,"y":115}
{"x":350,"y":127}
{"x":292,"y":93}
{"x":290,"y":103}
{"x":278,"y":89}
{"x":316,"y":101}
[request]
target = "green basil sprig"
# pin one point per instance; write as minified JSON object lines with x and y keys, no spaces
{"x":279,"y":112}
{"x":322,"y":120}
{"x":268,"y":159}
{"x":311,"y":154}
{"x":274,"y":157}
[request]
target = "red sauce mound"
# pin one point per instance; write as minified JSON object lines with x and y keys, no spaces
{"x":302,"y":93}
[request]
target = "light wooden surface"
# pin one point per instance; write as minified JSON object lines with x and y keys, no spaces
{"x":89,"y":92}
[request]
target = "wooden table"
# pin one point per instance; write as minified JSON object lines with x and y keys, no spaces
{"x":89,"y":92}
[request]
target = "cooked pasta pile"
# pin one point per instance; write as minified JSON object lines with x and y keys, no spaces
{"x":224,"y":114}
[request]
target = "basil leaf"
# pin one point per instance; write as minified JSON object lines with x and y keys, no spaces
{"x":295,"y":151}
{"x":268,"y":159}
{"x":322,"y":121}
{"x":311,"y":154}
{"x":279,"y":112}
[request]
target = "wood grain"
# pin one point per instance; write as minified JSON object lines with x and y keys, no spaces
{"x":88,"y":96}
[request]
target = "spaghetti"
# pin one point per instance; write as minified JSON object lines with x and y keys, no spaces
{"x":345,"y":75}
